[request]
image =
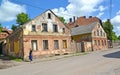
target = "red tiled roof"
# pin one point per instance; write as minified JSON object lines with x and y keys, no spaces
{"x":83,"y":21}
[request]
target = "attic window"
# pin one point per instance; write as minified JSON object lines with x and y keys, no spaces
{"x":49,"y":15}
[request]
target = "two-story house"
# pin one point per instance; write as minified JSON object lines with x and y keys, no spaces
{"x":88,"y":30}
{"x":45,"y":34}
{"x":93,"y":33}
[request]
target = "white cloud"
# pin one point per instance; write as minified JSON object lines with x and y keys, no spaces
{"x":116,"y":22}
{"x":9,"y":10}
{"x":102,"y":8}
{"x":118,"y":13}
{"x":100,"y":14}
{"x":80,"y":8}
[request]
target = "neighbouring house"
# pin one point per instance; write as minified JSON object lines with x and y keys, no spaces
{"x":88,"y":34}
{"x":3,"y":34}
{"x":45,"y":34}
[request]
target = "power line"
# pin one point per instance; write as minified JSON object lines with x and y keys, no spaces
{"x":31,"y":5}
{"x":110,"y":9}
{"x":39,"y":7}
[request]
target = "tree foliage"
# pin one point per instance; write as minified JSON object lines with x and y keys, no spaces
{"x":119,"y":37}
{"x":0,"y":27}
{"x":22,"y":18}
{"x":14,"y":27}
{"x":62,"y":19}
{"x":108,"y":27}
{"x":114,"y":36}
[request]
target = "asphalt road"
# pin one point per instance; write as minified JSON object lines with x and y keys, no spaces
{"x":96,"y":63}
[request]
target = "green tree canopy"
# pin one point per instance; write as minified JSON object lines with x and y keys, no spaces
{"x":119,"y":37}
{"x":22,"y":18}
{"x":114,"y":36}
{"x":0,"y":27}
{"x":108,"y":27}
{"x":14,"y":27}
{"x":62,"y":19}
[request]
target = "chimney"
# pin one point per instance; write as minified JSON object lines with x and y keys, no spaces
{"x":108,"y":20}
{"x":90,"y":16}
{"x":70,"y":20}
{"x":74,"y":19}
{"x":84,"y":16}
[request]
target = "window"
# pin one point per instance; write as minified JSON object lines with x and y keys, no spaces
{"x":55,"y":28}
{"x":45,"y":44}
{"x":44,"y":25}
{"x":97,"y":32}
{"x":104,"y":34}
{"x":56,"y":44}
{"x":102,"y":43}
{"x":33,"y":28}
{"x":105,"y":42}
{"x":101,"y":32}
{"x":95,"y":42}
{"x":63,"y":30}
{"x":49,"y":15}
{"x":98,"y":42}
{"x":94,"y":33}
{"x":34,"y":45}
{"x":64,"y":44}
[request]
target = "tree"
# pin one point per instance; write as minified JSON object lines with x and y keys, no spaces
{"x":14,"y":27}
{"x":108,"y":27}
{"x":0,"y":27}
{"x":119,"y":37}
{"x":22,"y":18}
{"x":114,"y":36}
{"x":62,"y":19}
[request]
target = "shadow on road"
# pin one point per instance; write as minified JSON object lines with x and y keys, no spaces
{"x":113,"y":55}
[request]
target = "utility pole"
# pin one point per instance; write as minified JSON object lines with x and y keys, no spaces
{"x":109,"y":23}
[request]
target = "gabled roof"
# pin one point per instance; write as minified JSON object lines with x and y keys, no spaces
{"x":84,"y":29}
{"x":43,"y":13}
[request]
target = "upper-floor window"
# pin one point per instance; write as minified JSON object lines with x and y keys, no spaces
{"x":63,"y":30}
{"x":101,"y":32}
{"x":44,"y":27}
{"x":55,"y":28}
{"x":33,"y":28}
{"x":94,"y":33}
{"x":49,"y":15}
{"x":98,"y":32}
{"x":104,"y":34}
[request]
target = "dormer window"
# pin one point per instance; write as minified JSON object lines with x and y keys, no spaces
{"x":49,"y":15}
{"x":33,"y":28}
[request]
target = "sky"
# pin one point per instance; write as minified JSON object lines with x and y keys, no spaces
{"x":66,"y":8}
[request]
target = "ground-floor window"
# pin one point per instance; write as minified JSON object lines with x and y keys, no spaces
{"x":98,"y":42}
{"x":95,"y":42}
{"x":56,"y":44}
{"x":102,"y":43}
{"x":45,"y":44}
{"x":105,"y":42}
{"x":64,"y":44}
{"x":34,"y":45}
